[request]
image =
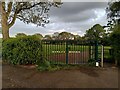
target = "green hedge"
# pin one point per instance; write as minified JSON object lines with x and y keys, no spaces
{"x":22,"y":50}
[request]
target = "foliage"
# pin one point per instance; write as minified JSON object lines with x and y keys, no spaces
{"x":106,"y":39}
{"x":62,"y":36}
{"x":77,"y":37}
{"x":21,"y":35}
{"x":47,"y":37}
{"x":95,"y":33}
{"x":38,"y":35}
{"x":45,"y":65}
{"x":65,"y":36}
{"x":28,"y":12}
{"x":48,"y":66}
{"x":55,"y":36}
{"x":113,"y":13}
{"x":91,"y":62}
{"x":115,"y":41}
{"x":22,"y":50}
{"x":52,"y":66}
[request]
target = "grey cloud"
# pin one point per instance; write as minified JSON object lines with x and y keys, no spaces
{"x":71,"y":17}
{"x":85,"y":15}
{"x":75,"y":11}
{"x":70,"y":8}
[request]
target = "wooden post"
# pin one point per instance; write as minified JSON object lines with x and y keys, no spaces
{"x":102,"y":51}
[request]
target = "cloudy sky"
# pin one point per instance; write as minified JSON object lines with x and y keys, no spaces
{"x":74,"y":17}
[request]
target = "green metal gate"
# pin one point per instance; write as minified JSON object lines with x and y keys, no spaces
{"x":68,"y":51}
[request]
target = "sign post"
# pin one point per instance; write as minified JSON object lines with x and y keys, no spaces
{"x":96,"y":53}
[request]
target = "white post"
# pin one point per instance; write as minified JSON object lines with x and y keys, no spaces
{"x":97,"y":64}
{"x":102,"y":56}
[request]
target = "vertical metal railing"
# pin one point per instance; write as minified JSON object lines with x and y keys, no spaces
{"x":67,"y":52}
{"x":80,"y":51}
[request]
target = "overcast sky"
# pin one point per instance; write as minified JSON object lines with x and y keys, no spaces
{"x":74,"y":17}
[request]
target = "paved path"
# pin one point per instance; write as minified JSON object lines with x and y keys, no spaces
{"x":0,"y":61}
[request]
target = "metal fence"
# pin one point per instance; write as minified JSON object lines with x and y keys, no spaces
{"x":69,"y":51}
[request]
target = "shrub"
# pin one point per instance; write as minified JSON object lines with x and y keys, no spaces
{"x":22,"y":50}
{"x":44,"y":66}
{"x":92,"y":62}
{"x":21,"y":35}
{"x":115,"y":41}
{"x":49,"y":66}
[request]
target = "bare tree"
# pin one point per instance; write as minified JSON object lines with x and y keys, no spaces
{"x":28,"y":12}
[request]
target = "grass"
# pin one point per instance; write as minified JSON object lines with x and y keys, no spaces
{"x":106,"y":52}
{"x":52,"y":66}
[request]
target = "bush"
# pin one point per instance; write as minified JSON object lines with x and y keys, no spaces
{"x":92,"y":62}
{"x":44,"y":66}
{"x":22,"y":50}
{"x":115,"y":42}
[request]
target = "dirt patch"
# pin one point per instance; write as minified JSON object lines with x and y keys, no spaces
{"x":82,"y":77}
{"x":90,"y":71}
{"x":27,"y":66}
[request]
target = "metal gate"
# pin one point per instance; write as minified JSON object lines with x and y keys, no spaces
{"x":68,"y":51}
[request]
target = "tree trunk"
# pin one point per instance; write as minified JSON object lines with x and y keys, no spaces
{"x":5,"y":32}
{"x":5,"y":27}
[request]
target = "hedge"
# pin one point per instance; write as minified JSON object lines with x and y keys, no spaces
{"x":22,"y":50}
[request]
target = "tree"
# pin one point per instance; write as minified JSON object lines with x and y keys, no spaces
{"x":106,"y":39}
{"x":21,"y":35}
{"x":65,"y":36}
{"x":47,"y":37}
{"x":95,"y":33}
{"x":28,"y":12}
{"x":113,"y":13}
{"x":55,"y":36}
{"x":115,"y":43}
{"x":38,"y":35}
{"x":77,"y":37}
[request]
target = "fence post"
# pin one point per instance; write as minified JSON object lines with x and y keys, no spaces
{"x":96,"y":53}
{"x":102,"y":51}
{"x":67,"y":52}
